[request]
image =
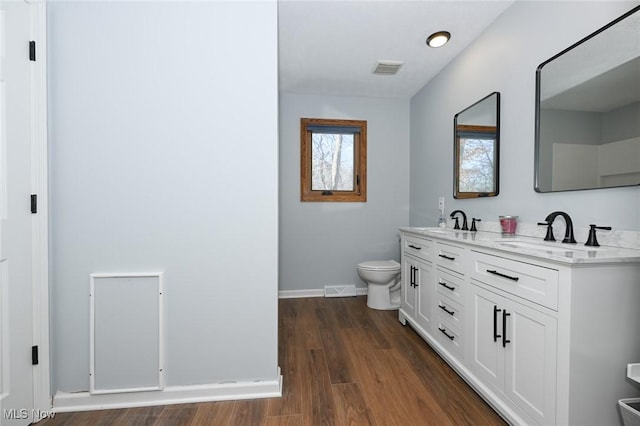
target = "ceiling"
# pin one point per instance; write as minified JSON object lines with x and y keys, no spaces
{"x":330,"y":47}
{"x":608,"y":91}
{"x":591,"y":76}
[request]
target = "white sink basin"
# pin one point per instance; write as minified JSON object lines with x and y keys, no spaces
{"x":439,"y":230}
{"x":543,"y":246}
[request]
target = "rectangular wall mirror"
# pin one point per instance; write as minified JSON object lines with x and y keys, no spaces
{"x":588,"y":111}
{"x":477,"y":149}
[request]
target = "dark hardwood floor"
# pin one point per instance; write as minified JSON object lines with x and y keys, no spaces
{"x":343,"y":364}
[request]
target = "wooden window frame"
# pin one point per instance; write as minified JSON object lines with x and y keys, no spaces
{"x":359,"y":194}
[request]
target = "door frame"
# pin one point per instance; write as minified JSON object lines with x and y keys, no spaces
{"x":40,"y":222}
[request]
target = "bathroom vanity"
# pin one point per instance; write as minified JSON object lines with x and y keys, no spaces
{"x":542,"y":330}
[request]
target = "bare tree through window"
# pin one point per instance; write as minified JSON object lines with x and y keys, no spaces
{"x":332,"y":162}
{"x":477,"y":170}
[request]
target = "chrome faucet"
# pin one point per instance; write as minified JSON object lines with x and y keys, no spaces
{"x":568,"y":233}
{"x":465,"y":227}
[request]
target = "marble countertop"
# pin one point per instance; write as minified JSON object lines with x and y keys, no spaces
{"x":554,"y":251}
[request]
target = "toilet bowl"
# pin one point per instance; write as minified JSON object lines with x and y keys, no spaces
{"x":383,"y":282}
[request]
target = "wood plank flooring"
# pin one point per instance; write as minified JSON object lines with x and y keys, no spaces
{"x":343,"y":364}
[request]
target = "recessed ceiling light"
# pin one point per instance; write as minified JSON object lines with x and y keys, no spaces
{"x":438,"y":39}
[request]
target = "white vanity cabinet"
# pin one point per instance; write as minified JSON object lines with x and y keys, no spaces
{"x":543,"y":336}
{"x":417,"y":291}
{"x":450,"y":307}
{"x":512,"y":349}
{"x":449,"y":320}
{"x":513,"y":334}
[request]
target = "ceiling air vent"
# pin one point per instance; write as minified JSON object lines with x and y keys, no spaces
{"x":387,"y":67}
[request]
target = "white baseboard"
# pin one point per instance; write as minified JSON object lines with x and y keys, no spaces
{"x":83,"y":401}
{"x":315,"y":292}
{"x":296,"y":294}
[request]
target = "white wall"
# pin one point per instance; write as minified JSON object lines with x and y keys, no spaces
{"x":163,"y":157}
{"x":504,"y":58}
{"x":565,"y":127}
{"x":622,"y":123}
{"x":321,"y":243}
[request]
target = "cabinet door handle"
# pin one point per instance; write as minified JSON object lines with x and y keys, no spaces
{"x":411,"y":275}
{"x":444,"y":308}
{"x":414,"y":276}
{"x":505,"y":314}
{"x":494,"y":272}
{"x":447,"y":257}
{"x":495,"y":323}
{"x":415,"y":247}
{"x":443,"y":284}
{"x":443,"y":331}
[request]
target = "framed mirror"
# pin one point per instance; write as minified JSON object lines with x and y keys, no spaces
{"x":476,"y":151}
{"x":588,"y":111}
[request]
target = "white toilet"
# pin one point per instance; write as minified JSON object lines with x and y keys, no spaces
{"x":383,"y":280}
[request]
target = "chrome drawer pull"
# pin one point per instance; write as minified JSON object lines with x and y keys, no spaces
{"x":443,"y":284}
{"x":443,"y":331}
{"x":502,"y":275}
{"x":415,"y":247}
{"x":447,"y":257}
{"x":444,"y":308}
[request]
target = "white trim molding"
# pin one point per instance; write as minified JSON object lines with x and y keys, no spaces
{"x":40,"y":221}
{"x":313,"y":292}
{"x":83,"y":401}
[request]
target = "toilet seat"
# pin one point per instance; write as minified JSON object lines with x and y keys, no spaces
{"x":379,"y":265}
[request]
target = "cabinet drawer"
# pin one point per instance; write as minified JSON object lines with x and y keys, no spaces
{"x":450,"y":285}
{"x":449,"y":257}
{"x":450,"y":312}
{"x":450,"y":338}
{"x":418,"y":247}
{"x":535,"y":283}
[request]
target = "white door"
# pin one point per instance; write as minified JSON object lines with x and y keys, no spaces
{"x":426,"y":295}
{"x":16,"y":318}
{"x":486,"y":354}
{"x":530,"y":357}
{"x":408,"y":290}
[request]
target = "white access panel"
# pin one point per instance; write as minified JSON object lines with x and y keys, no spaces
{"x":126,"y":335}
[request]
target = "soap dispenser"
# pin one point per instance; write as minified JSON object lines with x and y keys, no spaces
{"x":442,"y":220}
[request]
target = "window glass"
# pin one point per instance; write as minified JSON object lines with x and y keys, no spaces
{"x":332,"y":162}
{"x":477,"y":169}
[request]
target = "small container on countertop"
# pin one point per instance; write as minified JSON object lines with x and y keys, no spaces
{"x":508,"y":224}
